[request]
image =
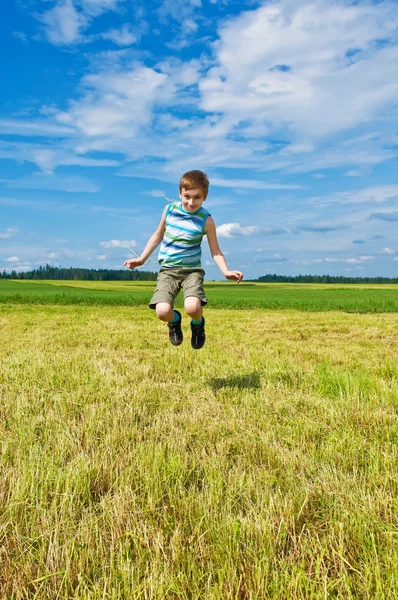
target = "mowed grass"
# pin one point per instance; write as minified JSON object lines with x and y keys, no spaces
{"x":226,"y":295}
{"x":262,"y":466}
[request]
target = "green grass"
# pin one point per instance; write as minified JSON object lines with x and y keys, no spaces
{"x":263,"y":466}
{"x":225,"y":295}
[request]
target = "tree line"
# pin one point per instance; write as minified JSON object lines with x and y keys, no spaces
{"x":49,"y":272}
{"x":324,"y":279}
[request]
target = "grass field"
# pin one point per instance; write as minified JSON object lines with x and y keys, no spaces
{"x":247,"y":295}
{"x":262,"y":466}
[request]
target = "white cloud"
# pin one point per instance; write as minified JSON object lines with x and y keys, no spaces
{"x":230,"y":230}
{"x":64,"y":23}
{"x":95,"y":8}
{"x":9,"y":232}
{"x":36,"y":128}
{"x":376,"y":194}
{"x":363,"y":153}
{"x":251,"y":184}
{"x":115,"y":106}
{"x":285,"y":70}
{"x":388,"y":251}
{"x":25,"y":266}
{"x":124,"y":36}
{"x":332,"y":259}
{"x":356,"y":173}
{"x":13,"y":259}
{"x":119,"y":244}
{"x":72,"y":183}
{"x":290,"y":64}
{"x":274,"y":258}
{"x":20,"y":35}
{"x":48,"y":158}
{"x":179,"y":10}
{"x":183,"y":74}
{"x":101,"y":257}
{"x":156,"y":193}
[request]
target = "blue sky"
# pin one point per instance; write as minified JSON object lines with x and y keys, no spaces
{"x":290,"y":107}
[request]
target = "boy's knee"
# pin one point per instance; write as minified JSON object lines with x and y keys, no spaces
{"x":164,"y":311}
{"x":192,"y":304}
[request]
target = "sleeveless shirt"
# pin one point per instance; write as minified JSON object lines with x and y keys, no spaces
{"x":183,"y":236}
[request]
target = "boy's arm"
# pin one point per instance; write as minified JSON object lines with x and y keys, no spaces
{"x":218,"y":256}
{"x":152,"y":244}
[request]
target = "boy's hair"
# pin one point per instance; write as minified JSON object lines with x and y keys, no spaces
{"x":193,"y":179}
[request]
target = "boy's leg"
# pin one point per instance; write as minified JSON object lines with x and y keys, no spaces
{"x":162,"y":301}
{"x":193,"y":306}
{"x":194,"y":300}
{"x":165,"y":312}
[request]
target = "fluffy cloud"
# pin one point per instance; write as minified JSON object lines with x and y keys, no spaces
{"x":95,"y":8}
{"x":9,"y":232}
{"x":290,"y":64}
{"x":121,"y":37}
{"x":119,"y":244}
{"x":250,"y":184}
{"x":48,"y":158}
{"x":156,"y":193}
{"x":231,"y":230}
{"x":116,"y":104}
{"x":63,"y":24}
{"x":37,"y":128}
{"x":331,"y":259}
{"x":178,"y":10}
{"x":285,"y":70}
{"x":376,"y":194}
{"x":275,"y":258}
{"x":71,"y":183}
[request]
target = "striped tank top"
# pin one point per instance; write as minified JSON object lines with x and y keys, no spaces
{"x":182,"y":238}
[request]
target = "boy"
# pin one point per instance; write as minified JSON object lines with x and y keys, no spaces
{"x":180,"y":232}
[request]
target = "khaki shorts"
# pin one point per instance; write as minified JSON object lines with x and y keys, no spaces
{"x":171,"y":280}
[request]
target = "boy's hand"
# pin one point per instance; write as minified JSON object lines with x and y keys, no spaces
{"x":234,"y":275}
{"x":132,"y":263}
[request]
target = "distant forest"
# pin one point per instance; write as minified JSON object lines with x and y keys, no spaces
{"x":325,"y":279}
{"x":49,"y":272}
{"x":71,"y":273}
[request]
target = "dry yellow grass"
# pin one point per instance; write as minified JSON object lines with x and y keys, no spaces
{"x":263,"y":466}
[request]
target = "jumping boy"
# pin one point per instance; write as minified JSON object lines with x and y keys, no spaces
{"x":180,"y":232}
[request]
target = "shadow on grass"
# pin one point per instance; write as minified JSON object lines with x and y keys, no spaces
{"x":241,"y":382}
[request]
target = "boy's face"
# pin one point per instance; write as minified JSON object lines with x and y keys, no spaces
{"x":192,"y":199}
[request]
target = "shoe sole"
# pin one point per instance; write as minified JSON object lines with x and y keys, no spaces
{"x":197,"y":347}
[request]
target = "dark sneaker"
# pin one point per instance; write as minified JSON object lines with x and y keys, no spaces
{"x":198,"y":335}
{"x":175,"y":333}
